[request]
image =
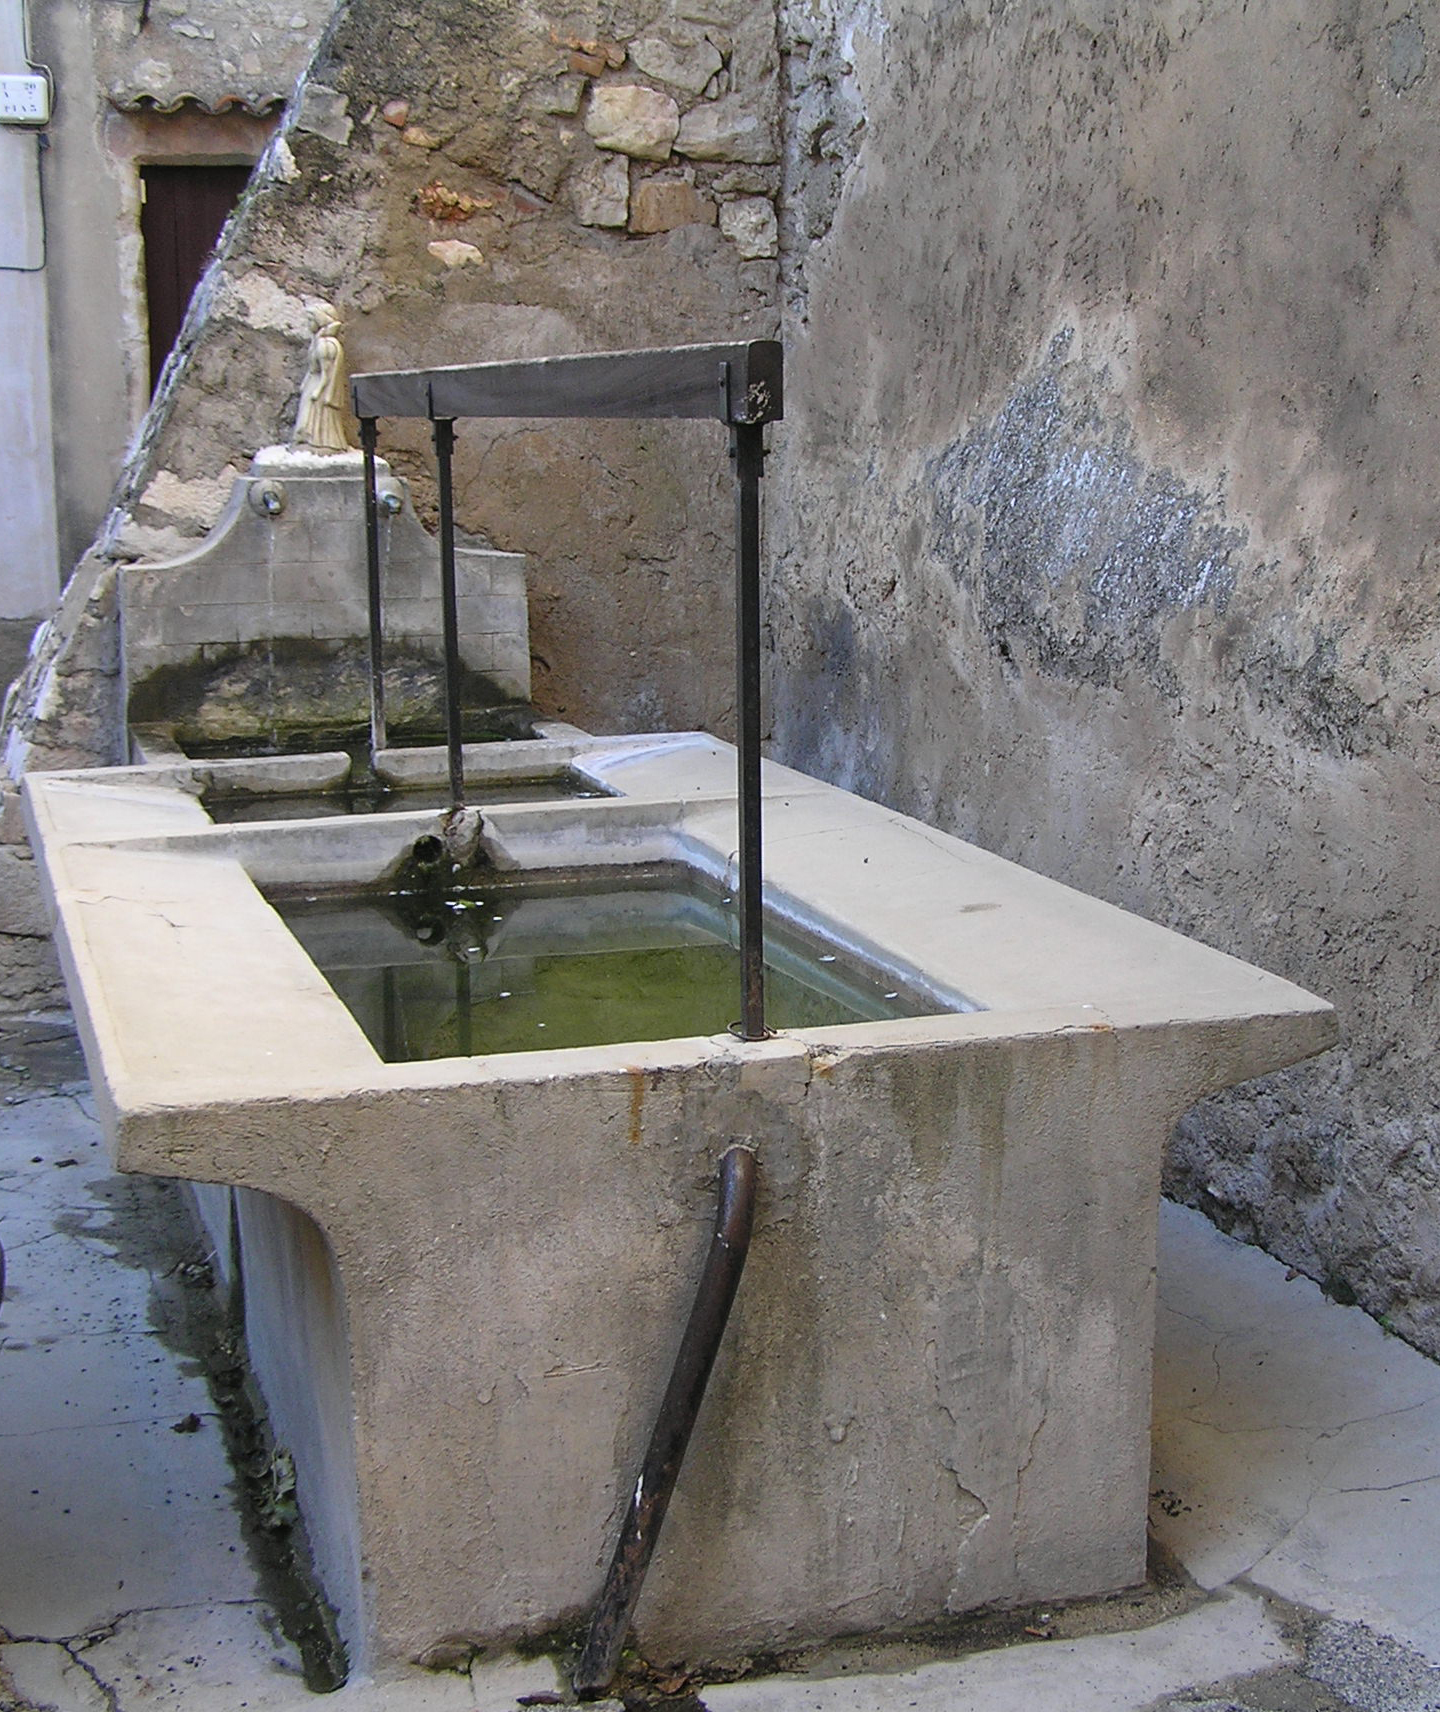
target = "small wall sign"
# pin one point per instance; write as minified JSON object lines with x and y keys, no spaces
{"x":24,"y":100}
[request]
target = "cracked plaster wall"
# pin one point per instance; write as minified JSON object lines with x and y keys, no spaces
{"x":1106,"y":518}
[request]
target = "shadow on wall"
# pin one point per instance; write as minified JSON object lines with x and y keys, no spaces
{"x":1112,"y":675}
{"x":15,"y":634}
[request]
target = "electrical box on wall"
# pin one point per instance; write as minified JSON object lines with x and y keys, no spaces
{"x":24,"y":100}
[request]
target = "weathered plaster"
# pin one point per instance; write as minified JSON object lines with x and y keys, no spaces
{"x":28,"y":578}
{"x":1108,"y":520}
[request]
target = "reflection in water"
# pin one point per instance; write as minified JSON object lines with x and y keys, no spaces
{"x":327,"y":805}
{"x":559,"y":961}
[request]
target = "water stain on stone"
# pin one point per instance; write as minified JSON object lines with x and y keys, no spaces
{"x":1405,"y":53}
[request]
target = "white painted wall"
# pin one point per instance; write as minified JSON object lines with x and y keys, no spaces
{"x":29,"y":565}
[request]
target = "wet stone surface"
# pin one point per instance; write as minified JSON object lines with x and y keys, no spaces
{"x":118,"y":1492}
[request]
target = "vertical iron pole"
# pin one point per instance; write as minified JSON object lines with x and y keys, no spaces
{"x":464,"y":1013}
{"x":747,"y":448}
{"x":372,"y":574}
{"x":444,"y":454}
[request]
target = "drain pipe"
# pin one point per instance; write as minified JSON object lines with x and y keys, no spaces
{"x":671,"y":1435}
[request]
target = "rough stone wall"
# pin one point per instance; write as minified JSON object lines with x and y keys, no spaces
{"x":472,"y":182}
{"x":1109,"y":512}
{"x":64,"y":710}
{"x":211,"y":52}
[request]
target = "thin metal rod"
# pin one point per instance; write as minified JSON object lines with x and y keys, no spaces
{"x":747,"y":448}
{"x":683,"y":1396}
{"x":444,"y":458}
{"x":372,"y":587}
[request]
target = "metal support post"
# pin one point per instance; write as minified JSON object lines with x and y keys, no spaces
{"x":372,"y":573}
{"x":392,"y":1034}
{"x":747,"y":448}
{"x":444,"y":455}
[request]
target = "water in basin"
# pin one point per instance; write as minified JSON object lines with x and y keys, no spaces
{"x":368,"y":799}
{"x":504,"y":723}
{"x":570,"y":959}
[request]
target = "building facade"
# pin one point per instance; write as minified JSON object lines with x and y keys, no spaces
{"x":157,"y":111}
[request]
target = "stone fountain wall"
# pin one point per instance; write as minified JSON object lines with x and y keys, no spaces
{"x":263,"y":629}
{"x":485,"y":183}
{"x":935,"y":1392}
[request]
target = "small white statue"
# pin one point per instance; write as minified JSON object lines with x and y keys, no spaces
{"x":320,"y":419}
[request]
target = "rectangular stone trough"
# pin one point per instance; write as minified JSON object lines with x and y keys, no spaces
{"x":466,"y":1277}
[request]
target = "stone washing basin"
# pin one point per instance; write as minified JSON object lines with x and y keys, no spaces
{"x":466,"y":1277}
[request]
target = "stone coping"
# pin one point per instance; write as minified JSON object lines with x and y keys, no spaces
{"x":190,"y":989}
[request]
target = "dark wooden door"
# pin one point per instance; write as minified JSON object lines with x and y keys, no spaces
{"x":184,"y":210}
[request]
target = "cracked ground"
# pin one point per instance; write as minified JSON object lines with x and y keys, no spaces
{"x":1295,"y":1499}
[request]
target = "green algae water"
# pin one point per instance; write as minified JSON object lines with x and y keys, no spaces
{"x":570,"y":960}
{"x":502,"y":723}
{"x":236,"y":807}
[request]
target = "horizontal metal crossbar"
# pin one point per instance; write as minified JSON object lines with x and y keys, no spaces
{"x":737,"y":384}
